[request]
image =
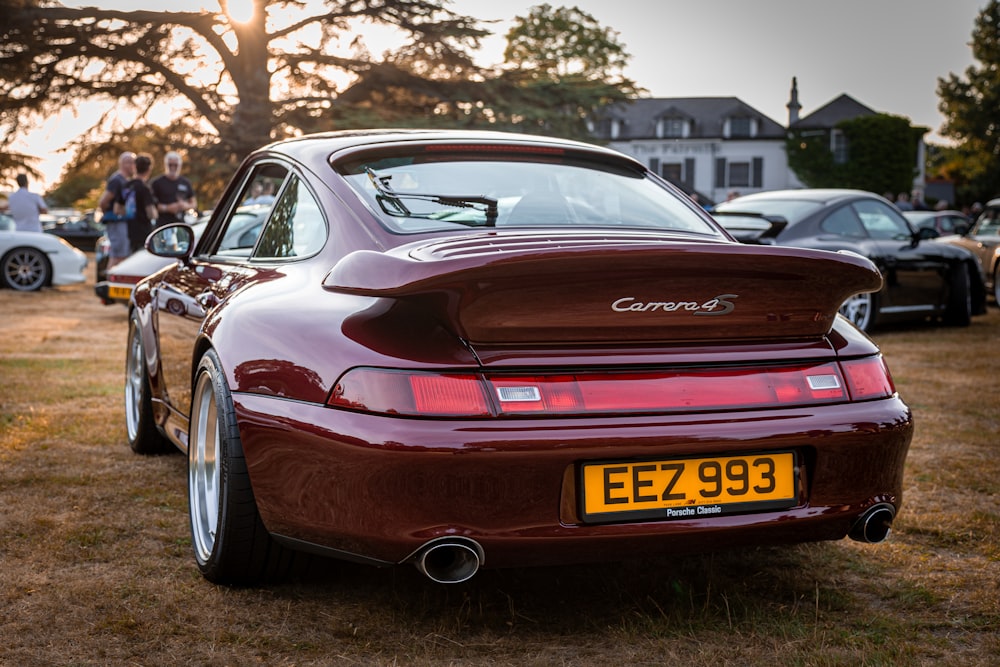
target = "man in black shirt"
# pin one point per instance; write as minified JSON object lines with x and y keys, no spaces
{"x":115,"y":227}
{"x":144,"y":217}
{"x":173,"y":193}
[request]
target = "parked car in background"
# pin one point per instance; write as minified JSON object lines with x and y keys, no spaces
{"x":922,"y":279}
{"x":943,"y":222}
{"x":466,"y":349}
{"x":983,"y":241}
{"x":30,"y":261}
{"x":115,"y":286}
{"x":81,"y":230}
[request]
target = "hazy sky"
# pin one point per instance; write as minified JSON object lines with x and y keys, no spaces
{"x":887,"y":54}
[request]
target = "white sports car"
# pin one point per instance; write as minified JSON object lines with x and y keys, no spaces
{"x":30,"y":261}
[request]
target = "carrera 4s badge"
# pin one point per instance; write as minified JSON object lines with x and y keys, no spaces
{"x":720,"y":305}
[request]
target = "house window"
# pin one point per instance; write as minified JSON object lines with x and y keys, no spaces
{"x":740,"y":127}
{"x":673,"y":172}
{"x":739,"y":175}
{"x":671,"y":128}
{"x":609,"y":127}
{"x":839,"y":147}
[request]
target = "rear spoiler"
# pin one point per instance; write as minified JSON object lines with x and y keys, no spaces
{"x":751,"y":227}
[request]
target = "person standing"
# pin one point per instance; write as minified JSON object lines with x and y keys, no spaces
{"x":25,"y":206}
{"x":173,"y":193}
{"x":144,"y":219}
{"x":112,"y":212}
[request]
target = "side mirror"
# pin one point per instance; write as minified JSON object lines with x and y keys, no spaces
{"x":174,"y":241}
{"x":926,"y":233}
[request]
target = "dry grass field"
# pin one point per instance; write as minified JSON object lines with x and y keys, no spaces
{"x":95,"y":564}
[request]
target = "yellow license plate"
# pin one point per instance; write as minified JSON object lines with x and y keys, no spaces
{"x":691,"y":488}
{"x":116,"y":292}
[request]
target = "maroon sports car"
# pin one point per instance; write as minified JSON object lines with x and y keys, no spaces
{"x":462,"y":349}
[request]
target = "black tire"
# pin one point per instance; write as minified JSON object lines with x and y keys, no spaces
{"x":996,"y":284}
{"x":25,"y":269}
{"x":958,"y":312}
{"x":231,"y":545}
{"x":144,"y":437}
{"x":861,"y":310}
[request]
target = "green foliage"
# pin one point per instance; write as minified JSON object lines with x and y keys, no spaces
{"x":558,"y":43}
{"x":561,"y":64}
{"x":238,"y":85}
{"x":971,"y":106}
{"x":881,"y":155}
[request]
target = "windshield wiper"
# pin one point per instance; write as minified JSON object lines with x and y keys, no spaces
{"x":391,"y":202}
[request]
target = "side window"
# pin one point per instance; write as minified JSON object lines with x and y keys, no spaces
{"x":245,"y":222}
{"x":296,"y":227}
{"x":881,"y":221}
{"x":843,"y":222}
{"x":988,"y":224}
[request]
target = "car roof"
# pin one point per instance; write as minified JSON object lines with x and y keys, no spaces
{"x":819,"y":195}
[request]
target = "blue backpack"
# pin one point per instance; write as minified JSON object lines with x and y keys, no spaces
{"x":128,"y":195}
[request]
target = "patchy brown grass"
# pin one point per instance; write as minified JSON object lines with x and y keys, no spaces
{"x":95,"y":564}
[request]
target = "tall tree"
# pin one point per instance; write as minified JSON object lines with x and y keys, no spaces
{"x":561,"y":66}
{"x":239,"y":81}
{"x":971,"y":106}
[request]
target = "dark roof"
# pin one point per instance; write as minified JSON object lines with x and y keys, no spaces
{"x":844,"y":107}
{"x":707,"y":113}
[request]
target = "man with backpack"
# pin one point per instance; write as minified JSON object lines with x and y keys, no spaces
{"x":112,"y":213}
{"x":138,"y":205}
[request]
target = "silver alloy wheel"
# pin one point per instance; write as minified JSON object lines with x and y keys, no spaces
{"x":204,"y":472}
{"x":133,"y":383}
{"x":858,"y":309}
{"x":25,"y":269}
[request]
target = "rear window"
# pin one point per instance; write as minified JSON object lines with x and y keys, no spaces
{"x":437,"y":189}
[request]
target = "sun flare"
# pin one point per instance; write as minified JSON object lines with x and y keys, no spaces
{"x":239,"y":11}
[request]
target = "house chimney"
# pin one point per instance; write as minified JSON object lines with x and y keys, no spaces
{"x":793,"y":104}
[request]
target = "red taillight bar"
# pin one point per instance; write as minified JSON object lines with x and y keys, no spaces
{"x":421,"y":393}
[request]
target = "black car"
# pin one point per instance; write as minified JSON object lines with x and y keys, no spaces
{"x":923,"y":279}
{"x":80,"y":231}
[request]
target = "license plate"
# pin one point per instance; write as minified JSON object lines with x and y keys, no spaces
{"x":116,"y":292}
{"x":690,"y":488}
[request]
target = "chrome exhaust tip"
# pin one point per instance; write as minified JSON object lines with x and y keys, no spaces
{"x":874,"y":525}
{"x":450,"y":560}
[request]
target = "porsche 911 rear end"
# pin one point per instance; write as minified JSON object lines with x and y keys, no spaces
{"x":506,"y":351}
{"x":634,"y":394}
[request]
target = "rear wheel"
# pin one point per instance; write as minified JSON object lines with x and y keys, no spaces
{"x":25,"y":269}
{"x":231,"y":545}
{"x":996,"y":284}
{"x":958,"y":312}
{"x":143,"y":435}
{"x":861,"y":310}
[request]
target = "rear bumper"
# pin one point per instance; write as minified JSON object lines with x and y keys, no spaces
{"x":378,"y":488}
{"x":109,"y":292}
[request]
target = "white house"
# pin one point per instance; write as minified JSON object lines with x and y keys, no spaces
{"x":706,"y":145}
{"x":712,"y":146}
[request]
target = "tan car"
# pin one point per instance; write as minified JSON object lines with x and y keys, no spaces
{"x":983,"y":240}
